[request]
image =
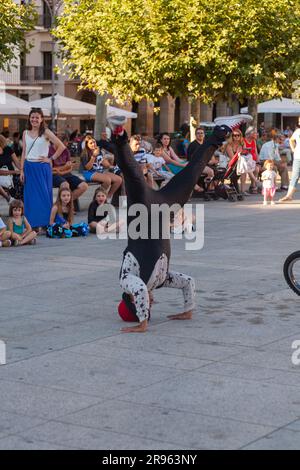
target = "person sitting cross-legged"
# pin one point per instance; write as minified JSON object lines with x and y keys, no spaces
{"x":62,"y":175}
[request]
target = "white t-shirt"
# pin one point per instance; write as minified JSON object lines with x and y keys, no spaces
{"x":2,"y":224}
{"x":156,"y":162}
{"x":269,"y":179}
{"x":296,"y":137}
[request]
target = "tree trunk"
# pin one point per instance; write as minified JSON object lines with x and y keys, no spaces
{"x":101,"y":115}
{"x":252,"y":110}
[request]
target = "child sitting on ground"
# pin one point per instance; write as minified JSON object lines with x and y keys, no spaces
{"x":4,"y":235}
{"x":18,"y":225}
{"x":102,"y":223}
{"x":61,"y":218}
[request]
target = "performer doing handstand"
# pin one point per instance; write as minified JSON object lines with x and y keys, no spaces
{"x":146,"y":261}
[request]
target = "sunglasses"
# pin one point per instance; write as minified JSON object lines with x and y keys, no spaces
{"x":236,"y":135}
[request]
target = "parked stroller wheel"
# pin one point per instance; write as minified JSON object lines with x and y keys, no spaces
{"x":240,"y":197}
{"x":291,"y":271}
{"x":232,"y":198}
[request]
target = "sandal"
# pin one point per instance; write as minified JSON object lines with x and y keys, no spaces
{"x":285,"y":199}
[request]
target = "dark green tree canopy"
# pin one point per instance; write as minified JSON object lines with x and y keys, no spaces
{"x":209,"y":48}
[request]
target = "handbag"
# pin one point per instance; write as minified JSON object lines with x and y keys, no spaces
{"x":6,"y":181}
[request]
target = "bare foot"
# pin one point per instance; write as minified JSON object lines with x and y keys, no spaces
{"x":181,"y":316}
{"x":141,"y":328}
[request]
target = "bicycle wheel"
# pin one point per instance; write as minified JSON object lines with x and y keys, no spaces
{"x":291,"y":271}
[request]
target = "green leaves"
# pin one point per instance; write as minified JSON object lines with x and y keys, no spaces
{"x":146,"y":48}
{"x":15,"y":20}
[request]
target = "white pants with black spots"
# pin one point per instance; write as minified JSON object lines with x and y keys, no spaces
{"x":131,"y":283}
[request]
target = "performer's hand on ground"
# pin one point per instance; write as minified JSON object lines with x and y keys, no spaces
{"x":182,"y":316}
{"x":140,"y":328}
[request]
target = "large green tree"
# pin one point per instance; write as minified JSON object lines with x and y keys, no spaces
{"x":207,"y":48}
{"x":15,"y":21}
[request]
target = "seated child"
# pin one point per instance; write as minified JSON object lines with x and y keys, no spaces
{"x":108,"y":163}
{"x":61,"y":218}
{"x":4,"y":235}
{"x":102,"y":223}
{"x":157,"y":163}
{"x":18,"y":225}
{"x":222,"y":157}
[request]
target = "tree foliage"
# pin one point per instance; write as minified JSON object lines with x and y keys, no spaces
{"x":210,"y":48}
{"x":15,"y":21}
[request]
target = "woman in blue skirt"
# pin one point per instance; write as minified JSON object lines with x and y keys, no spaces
{"x":36,"y":169}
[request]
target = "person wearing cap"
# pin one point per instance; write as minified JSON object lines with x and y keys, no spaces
{"x":146,"y":260}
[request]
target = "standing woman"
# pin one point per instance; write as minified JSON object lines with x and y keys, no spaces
{"x":36,"y":169}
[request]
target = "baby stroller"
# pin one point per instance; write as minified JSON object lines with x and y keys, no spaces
{"x":229,"y":191}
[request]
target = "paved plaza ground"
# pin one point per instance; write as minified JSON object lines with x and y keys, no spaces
{"x":223,"y":380}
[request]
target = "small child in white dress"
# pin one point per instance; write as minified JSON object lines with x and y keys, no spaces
{"x":269,"y":182}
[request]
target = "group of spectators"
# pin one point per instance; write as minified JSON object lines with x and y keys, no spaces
{"x":30,"y":167}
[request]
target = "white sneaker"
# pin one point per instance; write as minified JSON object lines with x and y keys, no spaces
{"x":233,"y":121}
{"x":265,"y":203}
{"x":272,"y":203}
{"x":115,"y":121}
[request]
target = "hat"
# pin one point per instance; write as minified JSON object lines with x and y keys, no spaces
{"x":127,"y":309}
{"x":250,"y":130}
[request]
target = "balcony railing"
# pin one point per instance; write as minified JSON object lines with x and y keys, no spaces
{"x":33,"y":74}
{"x":44,"y":21}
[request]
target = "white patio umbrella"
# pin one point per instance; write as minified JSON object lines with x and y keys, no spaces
{"x":12,"y":106}
{"x":69,"y":107}
{"x":284,"y":106}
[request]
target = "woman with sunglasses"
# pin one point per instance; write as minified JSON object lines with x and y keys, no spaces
{"x":93,"y":171}
{"x":234,"y":146}
{"x":36,"y":169}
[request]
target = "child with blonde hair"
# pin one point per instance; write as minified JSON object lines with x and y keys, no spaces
{"x":269,"y":182}
{"x":62,"y":215}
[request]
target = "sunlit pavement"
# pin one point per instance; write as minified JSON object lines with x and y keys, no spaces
{"x":224,"y":380}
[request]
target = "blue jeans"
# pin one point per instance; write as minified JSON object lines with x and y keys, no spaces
{"x":295,"y":174}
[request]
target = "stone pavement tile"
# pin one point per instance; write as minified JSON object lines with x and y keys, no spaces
{"x":21,"y":443}
{"x":40,"y":402}
{"x":283,"y":439}
{"x":295,"y":426}
{"x":188,"y":429}
{"x":284,"y":345}
{"x":58,"y":338}
{"x":57,"y":291}
{"x":91,"y":375}
{"x":12,"y":423}
{"x":90,"y":438}
{"x":257,"y":373}
{"x":142,"y":357}
{"x":22,"y":326}
{"x":269,"y":358}
{"x":25,"y":279}
{"x":226,"y":329}
{"x":225,"y":397}
{"x":167,"y":346}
